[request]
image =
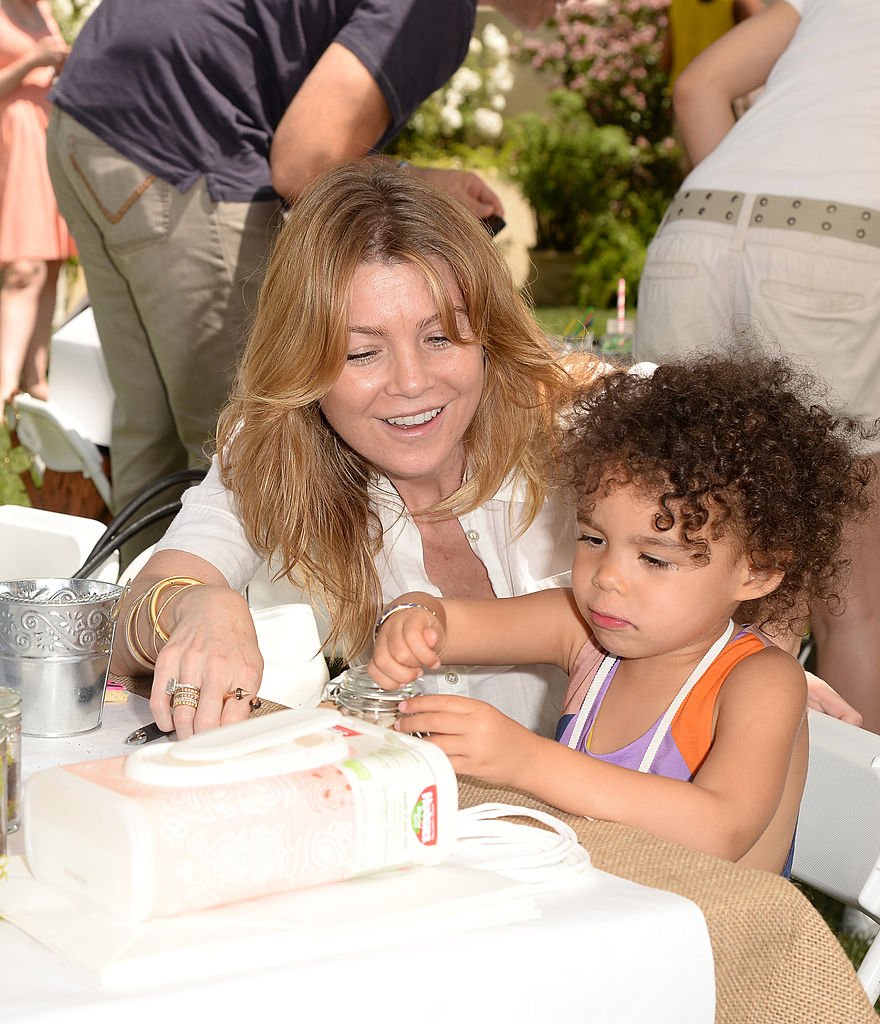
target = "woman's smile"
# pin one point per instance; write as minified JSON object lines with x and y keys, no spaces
{"x":407,"y":393}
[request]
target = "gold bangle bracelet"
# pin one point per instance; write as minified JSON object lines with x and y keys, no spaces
{"x":158,"y":632}
{"x":184,"y":582}
{"x":132,"y":639}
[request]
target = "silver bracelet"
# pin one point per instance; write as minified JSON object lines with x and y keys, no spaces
{"x":398,"y":608}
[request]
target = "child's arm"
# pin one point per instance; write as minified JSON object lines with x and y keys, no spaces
{"x":545,"y":627}
{"x":724,"y":811}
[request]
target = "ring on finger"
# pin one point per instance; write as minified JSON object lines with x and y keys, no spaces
{"x":187,"y":696}
{"x":187,"y":702}
{"x":238,"y":693}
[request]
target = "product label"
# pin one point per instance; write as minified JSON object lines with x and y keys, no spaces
{"x":424,"y":816}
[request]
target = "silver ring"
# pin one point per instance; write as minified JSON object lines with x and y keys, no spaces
{"x":171,"y":686}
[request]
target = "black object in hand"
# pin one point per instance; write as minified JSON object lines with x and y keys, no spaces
{"x":494,"y":224}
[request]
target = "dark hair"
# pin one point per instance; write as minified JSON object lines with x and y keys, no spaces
{"x":731,"y":444}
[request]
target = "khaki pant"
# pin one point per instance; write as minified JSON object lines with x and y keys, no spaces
{"x":815,"y":298}
{"x":173,"y":279}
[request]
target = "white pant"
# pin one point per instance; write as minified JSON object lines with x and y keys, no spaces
{"x":817,"y":298}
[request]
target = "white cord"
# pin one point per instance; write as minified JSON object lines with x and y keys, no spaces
{"x":518,"y":851}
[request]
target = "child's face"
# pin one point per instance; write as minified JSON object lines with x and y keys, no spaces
{"x":641,"y":591}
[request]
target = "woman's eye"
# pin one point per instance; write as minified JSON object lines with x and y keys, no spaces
{"x":439,"y":341}
{"x":655,"y":563}
{"x":360,"y":357}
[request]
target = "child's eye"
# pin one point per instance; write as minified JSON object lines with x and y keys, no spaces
{"x":655,"y":563}
{"x":591,"y":540}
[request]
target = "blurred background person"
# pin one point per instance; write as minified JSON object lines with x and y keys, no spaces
{"x":34,"y":240}
{"x":178,"y":134}
{"x":779,"y":224}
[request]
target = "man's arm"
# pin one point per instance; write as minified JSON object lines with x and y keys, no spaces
{"x":339,"y":114}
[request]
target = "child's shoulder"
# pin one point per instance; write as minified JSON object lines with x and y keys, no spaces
{"x":768,"y":672}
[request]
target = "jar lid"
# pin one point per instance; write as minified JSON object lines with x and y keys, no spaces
{"x":358,"y":692}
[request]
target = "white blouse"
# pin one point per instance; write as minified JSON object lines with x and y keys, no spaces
{"x":208,"y":526}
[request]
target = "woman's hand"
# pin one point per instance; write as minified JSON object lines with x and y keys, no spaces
{"x":409,"y":640}
{"x":821,"y":697}
{"x":49,"y":52}
{"x":477,"y":738}
{"x":212,"y":643}
{"x":213,"y":648}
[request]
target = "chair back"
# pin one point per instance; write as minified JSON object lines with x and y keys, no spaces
{"x":57,"y":440}
{"x":39,"y":543}
{"x":837,"y":849}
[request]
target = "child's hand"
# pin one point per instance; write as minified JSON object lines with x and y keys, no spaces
{"x":477,"y":738}
{"x":408,"y":641}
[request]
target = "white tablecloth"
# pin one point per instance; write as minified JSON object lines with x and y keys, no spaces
{"x":612,"y":951}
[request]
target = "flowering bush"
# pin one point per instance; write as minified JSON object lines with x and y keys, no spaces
{"x":608,"y":52}
{"x":71,"y":15}
{"x":469,"y":110}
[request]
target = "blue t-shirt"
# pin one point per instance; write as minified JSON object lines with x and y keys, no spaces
{"x":186,"y":88}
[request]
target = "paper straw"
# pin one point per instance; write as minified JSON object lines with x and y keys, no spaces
{"x":621,"y":304}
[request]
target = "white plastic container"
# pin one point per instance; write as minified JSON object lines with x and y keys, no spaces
{"x":280,"y":802}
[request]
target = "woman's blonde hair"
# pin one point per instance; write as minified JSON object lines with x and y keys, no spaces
{"x":302,"y":492}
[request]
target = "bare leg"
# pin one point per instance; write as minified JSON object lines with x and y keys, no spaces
{"x":36,"y":361}
{"x":23,"y":284}
{"x":848,"y":645}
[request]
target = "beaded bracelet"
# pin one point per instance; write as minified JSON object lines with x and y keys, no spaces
{"x":399,"y":608}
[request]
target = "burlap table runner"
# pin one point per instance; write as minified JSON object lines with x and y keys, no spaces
{"x":776,"y":961}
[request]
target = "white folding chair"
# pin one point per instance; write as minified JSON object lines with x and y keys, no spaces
{"x":837,"y":849}
{"x":57,"y":440}
{"x":294,"y":668}
{"x":37,"y":543}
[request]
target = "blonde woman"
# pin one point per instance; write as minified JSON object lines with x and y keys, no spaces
{"x":390,"y":429}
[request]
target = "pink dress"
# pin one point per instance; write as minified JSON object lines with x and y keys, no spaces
{"x":30,"y":225}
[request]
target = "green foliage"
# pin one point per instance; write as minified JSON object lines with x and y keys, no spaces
{"x":14,"y":460}
{"x":71,"y":15}
{"x":467,"y":112}
{"x":611,"y":249}
{"x":568,"y":169}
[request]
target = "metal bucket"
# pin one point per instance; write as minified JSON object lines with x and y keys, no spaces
{"x":55,"y":639}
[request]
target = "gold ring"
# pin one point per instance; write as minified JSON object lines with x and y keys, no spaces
{"x":187,"y":696}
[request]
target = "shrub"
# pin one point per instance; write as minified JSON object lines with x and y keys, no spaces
{"x":568,"y":169}
{"x":608,"y":53}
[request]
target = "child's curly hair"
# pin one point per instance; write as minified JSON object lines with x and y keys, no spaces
{"x":730,"y":443}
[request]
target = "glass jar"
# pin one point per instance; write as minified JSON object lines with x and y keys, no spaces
{"x":356,"y":694}
{"x":10,"y":763}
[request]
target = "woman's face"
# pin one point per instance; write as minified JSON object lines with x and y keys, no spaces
{"x":407,"y":393}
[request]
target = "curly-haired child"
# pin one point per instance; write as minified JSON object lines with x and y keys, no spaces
{"x":714,"y":490}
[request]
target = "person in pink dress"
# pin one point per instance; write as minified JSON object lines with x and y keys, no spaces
{"x":34,"y":240}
